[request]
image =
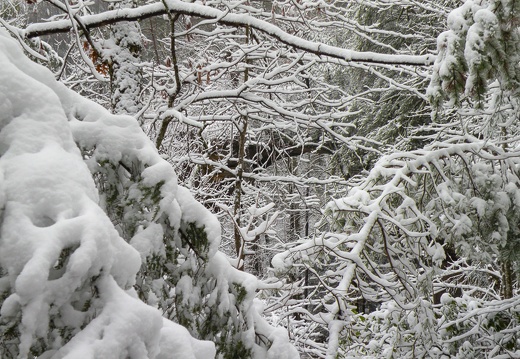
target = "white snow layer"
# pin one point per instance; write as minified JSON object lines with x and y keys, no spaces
{"x":50,"y":206}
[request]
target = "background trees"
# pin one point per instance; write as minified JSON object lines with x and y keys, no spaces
{"x":424,"y":237}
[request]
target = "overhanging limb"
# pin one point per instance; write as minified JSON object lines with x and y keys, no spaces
{"x":240,"y":20}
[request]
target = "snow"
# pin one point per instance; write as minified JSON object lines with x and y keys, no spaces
{"x":438,"y":254}
{"x":125,"y":327}
{"x":51,"y":208}
{"x":480,"y":206}
{"x":194,"y":212}
{"x":280,"y":343}
{"x":149,"y":241}
{"x":176,"y":340}
{"x":280,"y":347}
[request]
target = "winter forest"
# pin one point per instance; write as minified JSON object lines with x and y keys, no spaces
{"x":264,"y":179}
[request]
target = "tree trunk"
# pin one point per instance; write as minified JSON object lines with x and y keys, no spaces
{"x":507,"y":279}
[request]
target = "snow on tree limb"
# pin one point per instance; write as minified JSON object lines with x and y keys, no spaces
{"x":202,"y":11}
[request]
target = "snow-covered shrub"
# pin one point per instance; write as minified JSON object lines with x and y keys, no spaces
{"x":70,"y":285}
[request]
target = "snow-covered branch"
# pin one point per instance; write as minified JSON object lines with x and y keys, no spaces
{"x":226,"y":18}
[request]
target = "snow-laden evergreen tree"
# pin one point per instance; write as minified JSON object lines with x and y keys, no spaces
{"x":478,"y":67}
{"x":71,"y":286}
{"x":480,"y":49}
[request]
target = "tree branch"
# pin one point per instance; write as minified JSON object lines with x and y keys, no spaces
{"x":242,"y":20}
